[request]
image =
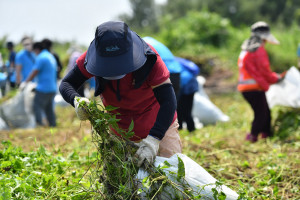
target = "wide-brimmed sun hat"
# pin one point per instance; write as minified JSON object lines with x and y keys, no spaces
{"x":115,"y":51}
{"x":262,"y":30}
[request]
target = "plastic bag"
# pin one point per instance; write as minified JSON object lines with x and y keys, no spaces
{"x":198,"y":179}
{"x":59,"y":101}
{"x":286,"y":93}
{"x":17,"y":112}
{"x":203,"y":109}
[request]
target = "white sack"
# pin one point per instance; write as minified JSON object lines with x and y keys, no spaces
{"x":287,"y":92}
{"x":17,"y":112}
{"x":3,"y":125}
{"x":197,"y":178}
{"x":59,"y":101}
{"x":203,"y":109}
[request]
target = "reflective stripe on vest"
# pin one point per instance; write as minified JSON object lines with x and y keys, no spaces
{"x":247,"y":82}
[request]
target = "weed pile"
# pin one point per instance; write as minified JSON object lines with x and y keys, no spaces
{"x":287,"y":123}
{"x":114,"y":176}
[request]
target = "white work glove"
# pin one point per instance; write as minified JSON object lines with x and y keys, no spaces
{"x":81,"y":112}
{"x":148,"y":149}
{"x":23,"y":85}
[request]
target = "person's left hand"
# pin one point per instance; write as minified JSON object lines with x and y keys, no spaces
{"x":148,"y":149}
{"x":80,"y":111}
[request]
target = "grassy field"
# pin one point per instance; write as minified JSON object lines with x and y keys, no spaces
{"x":268,"y":169}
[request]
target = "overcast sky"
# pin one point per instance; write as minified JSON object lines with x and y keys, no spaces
{"x":58,"y":19}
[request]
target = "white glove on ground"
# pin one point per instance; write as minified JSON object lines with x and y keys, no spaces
{"x":81,"y":112}
{"x":148,"y":149}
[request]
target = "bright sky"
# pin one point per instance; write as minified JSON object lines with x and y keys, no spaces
{"x":58,"y":19}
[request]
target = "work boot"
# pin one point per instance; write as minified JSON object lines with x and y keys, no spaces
{"x":251,"y":138}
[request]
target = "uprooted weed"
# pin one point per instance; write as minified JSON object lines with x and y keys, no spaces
{"x":115,"y":174}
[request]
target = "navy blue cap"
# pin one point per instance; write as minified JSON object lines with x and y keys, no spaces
{"x":115,"y":51}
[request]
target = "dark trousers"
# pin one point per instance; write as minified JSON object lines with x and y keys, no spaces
{"x":262,"y":114}
{"x":44,"y":102}
{"x":184,"y":111}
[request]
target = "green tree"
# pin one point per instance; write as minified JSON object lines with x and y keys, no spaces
{"x":196,"y":29}
{"x":179,"y":8}
{"x":143,"y":15}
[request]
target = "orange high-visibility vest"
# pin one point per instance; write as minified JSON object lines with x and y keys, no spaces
{"x":246,"y":82}
{"x":254,"y":71}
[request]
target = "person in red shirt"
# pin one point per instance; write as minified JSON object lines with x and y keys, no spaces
{"x":255,"y":78}
{"x":131,"y":76}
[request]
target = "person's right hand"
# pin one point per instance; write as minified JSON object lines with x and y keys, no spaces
{"x":80,"y":111}
{"x":281,"y":76}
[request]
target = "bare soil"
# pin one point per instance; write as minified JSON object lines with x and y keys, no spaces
{"x":220,"y":82}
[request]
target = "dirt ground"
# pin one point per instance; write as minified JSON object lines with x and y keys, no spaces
{"x":220,"y":81}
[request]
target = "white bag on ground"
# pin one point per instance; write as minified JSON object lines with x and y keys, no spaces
{"x":287,"y":92}
{"x":3,"y":125}
{"x":17,"y":112}
{"x":197,"y":178}
{"x":203,"y":109}
{"x":59,"y":101}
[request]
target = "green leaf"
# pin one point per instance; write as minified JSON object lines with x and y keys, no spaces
{"x":146,"y":182}
{"x":222,"y":196}
{"x":164,"y":165}
{"x":181,"y":169}
{"x":110,"y":108}
{"x":42,"y":151}
{"x":130,"y":128}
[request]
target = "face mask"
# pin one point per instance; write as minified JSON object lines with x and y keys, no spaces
{"x":27,"y":44}
{"x":114,"y":77}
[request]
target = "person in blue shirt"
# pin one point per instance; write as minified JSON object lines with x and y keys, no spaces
{"x":44,"y":70}
{"x":11,"y":67}
{"x":24,"y":60}
{"x":47,"y":44}
{"x":169,"y":59}
{"x":188,"y":87}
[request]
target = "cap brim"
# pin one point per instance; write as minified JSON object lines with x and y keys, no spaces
{"x":270,"y":38}
{"x":128,"y":62}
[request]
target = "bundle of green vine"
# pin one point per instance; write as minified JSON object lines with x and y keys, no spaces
{"x":114,"y":176}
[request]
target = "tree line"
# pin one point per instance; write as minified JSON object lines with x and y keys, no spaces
{"x":147,"y":14}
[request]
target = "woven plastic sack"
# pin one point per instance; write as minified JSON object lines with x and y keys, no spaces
{"x":197,"y":178}
{"x":203,"y":109}
{"x":17,"y":112}
{"x":287,"y":92}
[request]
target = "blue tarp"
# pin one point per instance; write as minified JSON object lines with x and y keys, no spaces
{"x":189,"y":65}
{"x":166,"y":55}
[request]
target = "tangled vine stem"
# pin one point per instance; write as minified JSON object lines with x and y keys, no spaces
{"x":116,"y":170}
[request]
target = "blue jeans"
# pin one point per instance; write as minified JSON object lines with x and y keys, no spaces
{"x":44,"y":102}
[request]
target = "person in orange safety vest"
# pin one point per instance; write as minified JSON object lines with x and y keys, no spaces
{"x":255,"y":78}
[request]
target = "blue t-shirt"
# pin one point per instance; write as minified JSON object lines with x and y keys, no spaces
{"x":12,"y":72}
{"x":46,"y":77}
{"x":12,"y":56}
{"x":26,"y":59}
{"x":188,"y":81}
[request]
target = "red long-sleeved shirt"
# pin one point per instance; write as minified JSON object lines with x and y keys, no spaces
{"x":254,"y":71}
